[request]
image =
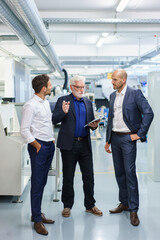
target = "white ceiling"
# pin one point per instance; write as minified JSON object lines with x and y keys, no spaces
{"x":100,"y":5}
{"x":73,"y":42}
{"x":72,"y":5}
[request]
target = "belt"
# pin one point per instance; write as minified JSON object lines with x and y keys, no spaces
{"x":122,"y":133}
{"x":79,"y":138}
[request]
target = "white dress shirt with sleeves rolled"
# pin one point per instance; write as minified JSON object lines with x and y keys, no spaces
{"x":37,"y":120}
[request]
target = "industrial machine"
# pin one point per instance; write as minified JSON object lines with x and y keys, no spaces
{"x":14,"y":159}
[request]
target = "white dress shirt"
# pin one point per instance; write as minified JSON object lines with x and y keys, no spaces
{"x":37,"y":120}
{"x":118,"y":122}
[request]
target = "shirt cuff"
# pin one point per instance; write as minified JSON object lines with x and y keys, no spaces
{"x":31,"y":139}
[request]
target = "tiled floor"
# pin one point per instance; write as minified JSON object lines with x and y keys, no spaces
{"x":15,"y":218}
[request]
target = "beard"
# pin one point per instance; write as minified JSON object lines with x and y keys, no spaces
{"x":117,"y":87}
{"x":79,"y":95}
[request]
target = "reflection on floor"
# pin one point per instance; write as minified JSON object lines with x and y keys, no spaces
{"x":15,"y":218}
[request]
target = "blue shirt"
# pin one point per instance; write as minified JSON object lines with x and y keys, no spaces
{"x":80,"y":111}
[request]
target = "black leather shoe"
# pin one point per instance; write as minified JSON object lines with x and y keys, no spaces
{"x":119,"y":209}
{"x":134,"y":219}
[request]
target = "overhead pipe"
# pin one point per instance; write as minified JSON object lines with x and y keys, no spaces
{"x":91,"y":63}
{"x":100,"y":21}
{"x":37,"y":72}
{"x":8,"y":38}
{"x":142,"y":58}
{"x":29,"y":12}
{"x":18,"y":27}
{"x":105,"y":63}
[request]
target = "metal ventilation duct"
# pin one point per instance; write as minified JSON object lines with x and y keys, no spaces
{"x":91,"y":63}
{"x":29,"y":12}
{"x":143,"y":58}
{"x":17,"y":26}
{"x":100,"y":21}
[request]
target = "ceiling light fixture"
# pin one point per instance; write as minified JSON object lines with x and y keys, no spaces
{"x":122,"y":5}
{"x":104,"y":34}
{"x":102,"y":39}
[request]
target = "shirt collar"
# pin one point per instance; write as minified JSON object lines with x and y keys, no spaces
{"x":123,"y":91}
{"x":75,"y":99}
{"x":38,"y":99}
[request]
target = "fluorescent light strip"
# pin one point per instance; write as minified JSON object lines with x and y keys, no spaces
{"x":100,"y":41}
{"x":122,"y":5}
{"x":104,"y":34}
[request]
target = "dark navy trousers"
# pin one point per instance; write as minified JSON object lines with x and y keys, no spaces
{"x":124,"y":158}
{"x":40,"y":164}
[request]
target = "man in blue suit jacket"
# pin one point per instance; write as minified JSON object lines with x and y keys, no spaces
{"x":129,"y":119}
{"x":74,"y":111}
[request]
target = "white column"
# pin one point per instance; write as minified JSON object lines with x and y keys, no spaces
{"x":154,"y":132}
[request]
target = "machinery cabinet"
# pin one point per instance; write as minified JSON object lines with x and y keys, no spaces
{"x":14,"y":159}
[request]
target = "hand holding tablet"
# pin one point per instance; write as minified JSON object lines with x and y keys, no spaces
{"x":97,"y":120}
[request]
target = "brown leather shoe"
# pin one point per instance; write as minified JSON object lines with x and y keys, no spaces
{"x":94,"y":210}
{"x":119,"y":209}
{"x":134,"y":219}
{"x":44,"y":219}
{"x":66,"y":212}
{"x":40,"y":228}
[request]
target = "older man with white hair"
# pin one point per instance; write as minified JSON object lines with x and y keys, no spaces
{"x":74,"y":111}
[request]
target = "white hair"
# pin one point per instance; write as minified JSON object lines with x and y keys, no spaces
{"x":76,"y":78}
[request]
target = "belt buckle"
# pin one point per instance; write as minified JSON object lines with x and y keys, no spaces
{"x":79,"y":138}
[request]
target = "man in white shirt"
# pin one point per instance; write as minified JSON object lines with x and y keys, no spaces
{"x":129,"y":119}
{"x":37,"y":130}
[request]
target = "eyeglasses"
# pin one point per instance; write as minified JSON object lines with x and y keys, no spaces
{"x":78,"y":87}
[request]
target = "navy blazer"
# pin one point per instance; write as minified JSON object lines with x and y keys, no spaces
{"x":68,"y":121}
{"x":137,"y":113}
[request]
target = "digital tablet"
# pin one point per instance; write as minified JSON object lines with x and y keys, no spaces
{"x":99,"y":118}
